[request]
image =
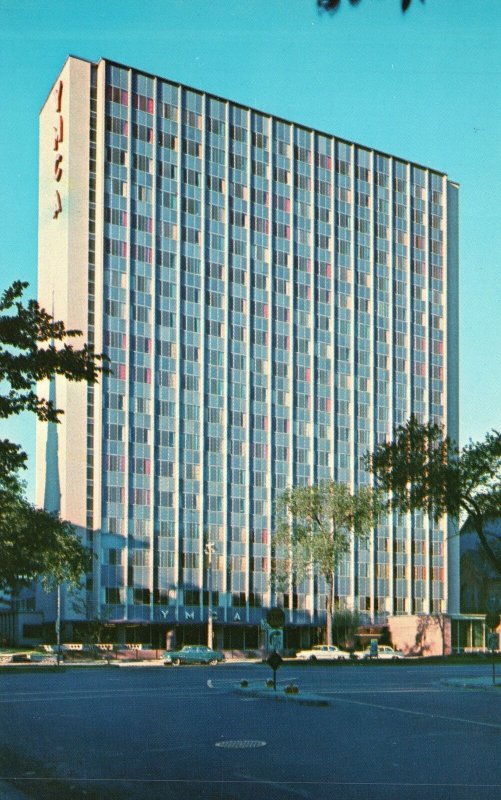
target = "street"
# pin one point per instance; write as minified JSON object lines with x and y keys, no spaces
{"x":391,"y":731}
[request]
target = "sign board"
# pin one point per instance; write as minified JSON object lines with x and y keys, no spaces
{"x":275,"y":661}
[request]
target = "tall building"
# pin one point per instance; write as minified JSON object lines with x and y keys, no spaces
{"x":273,"y":300}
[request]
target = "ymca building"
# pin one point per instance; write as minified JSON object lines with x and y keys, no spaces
{"x":273,"y":301}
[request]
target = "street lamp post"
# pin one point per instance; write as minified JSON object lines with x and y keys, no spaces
{"x":58,"y":623}
{"x":209,"y":550}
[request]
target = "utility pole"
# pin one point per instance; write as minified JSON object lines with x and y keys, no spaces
{"x":209,"y":550}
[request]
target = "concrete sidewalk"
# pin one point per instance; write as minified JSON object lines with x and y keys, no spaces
{"x":473,"y":683}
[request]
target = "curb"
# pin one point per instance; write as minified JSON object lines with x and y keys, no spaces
{"x":303,"y":700}
{"x":472,"y":683}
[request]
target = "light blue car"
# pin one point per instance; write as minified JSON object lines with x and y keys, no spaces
{"x":193,"y":654}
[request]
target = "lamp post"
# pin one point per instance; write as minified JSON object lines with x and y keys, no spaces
{"x":209,"y":550}
{"x":58,"y":622}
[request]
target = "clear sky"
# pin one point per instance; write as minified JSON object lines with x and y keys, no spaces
{"x":425,"y":86}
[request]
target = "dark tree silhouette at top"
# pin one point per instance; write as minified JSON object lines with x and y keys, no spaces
{"x":334,"y":5}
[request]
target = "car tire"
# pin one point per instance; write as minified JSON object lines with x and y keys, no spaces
{"x":176,"y":662}
{"x":213,"y":662}
{"x":312,"y":659}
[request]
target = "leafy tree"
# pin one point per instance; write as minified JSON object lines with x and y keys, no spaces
{"x":423,"y":469}
{"x":345,"y":623}
{"x":315,"y":528}
{"x":333,"y":5}
{"x":34,"y":347}
{"x":28,"y":353}
{"x":36,"y":545}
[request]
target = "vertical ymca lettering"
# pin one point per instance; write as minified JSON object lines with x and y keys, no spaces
{"x":58,"y":139}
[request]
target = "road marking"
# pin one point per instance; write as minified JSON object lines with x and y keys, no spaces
{"x":258,"y":782}
{"x":240,"y":744}
{"x":420,"y":713}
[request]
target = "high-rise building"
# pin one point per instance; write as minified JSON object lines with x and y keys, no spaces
{"x":273,"y":300}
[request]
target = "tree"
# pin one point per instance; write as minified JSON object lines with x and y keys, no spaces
{"x":28,"y":354}
{"x":34,"y":543}
{"x":345,"y":623}
{"x":333,"y":5}
{"x":422,"y":469}
{"x":315,"y":528}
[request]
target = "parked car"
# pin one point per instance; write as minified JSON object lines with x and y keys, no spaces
{"x":323,"y":652}
{"x":384,"y":652}
{"x":193,"y":654}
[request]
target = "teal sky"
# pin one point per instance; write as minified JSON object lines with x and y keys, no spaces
{"x":425,"y":86}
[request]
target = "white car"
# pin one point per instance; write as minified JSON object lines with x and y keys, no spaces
{"x":323,"y":652}
{"x":384,"y":652}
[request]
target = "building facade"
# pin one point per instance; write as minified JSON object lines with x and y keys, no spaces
{"x":273,"y":301}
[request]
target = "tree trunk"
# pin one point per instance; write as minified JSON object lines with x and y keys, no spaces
{"x":329,"y":608}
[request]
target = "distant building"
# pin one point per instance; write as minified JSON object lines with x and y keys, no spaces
{"x":273,"y":300}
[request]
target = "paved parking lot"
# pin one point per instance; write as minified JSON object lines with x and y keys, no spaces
{"x":392,"y":731}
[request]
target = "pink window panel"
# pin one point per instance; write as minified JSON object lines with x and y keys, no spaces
{"x":147,"y":375}
{"x":148,"y":345}
{"x":124,"y":341}
{"x":126,"y":128}
{"x":265,"y":536}
{"x":266,"y":310}
{"x":124,"y":249}
{"x":265,"y":423}
{"x":328,"y":162}
{"x":121,"y":372}
{"x":287,"y":232}
{"x":307,"y":374}
{"x":150,"y":132}
{"x":327,"y":404}
{"x":147,"y":466}
{"x":309,"y":264}
{"x":124,"y":97}
{"x":150,"y":105}
{"x":124,"y":218}
{"x":287,"y":204}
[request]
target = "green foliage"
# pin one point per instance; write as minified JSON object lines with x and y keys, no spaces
{"x":34,"y":347}
{"x":345,"y":624}
{"x":36,"y":545}
{"x":334,"y":5}
{"x":315,"y":528}
{"x":422,"y":469}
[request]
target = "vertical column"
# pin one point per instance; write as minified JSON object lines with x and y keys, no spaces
{"x":373,"y":372}
{"x":226,"y":332}
{"x":205,"y":532}
{"x":153,"y":409}
{"x":98,"y":326}
{"x":179,"y":416}
{"x":248,"y":355}
{"x":409,"y":376}
{"x":427,"y":522}
{"x":391,"y":387}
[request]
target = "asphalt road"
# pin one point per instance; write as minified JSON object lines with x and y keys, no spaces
{"x":392,"y":731}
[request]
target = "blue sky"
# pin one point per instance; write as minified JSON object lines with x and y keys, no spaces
{"x":425,"y":86}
